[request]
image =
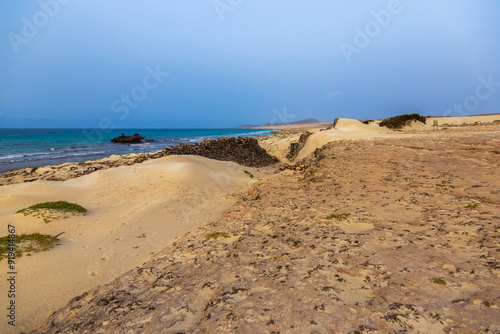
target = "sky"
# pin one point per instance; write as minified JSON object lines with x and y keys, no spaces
{"x":223,"y":63}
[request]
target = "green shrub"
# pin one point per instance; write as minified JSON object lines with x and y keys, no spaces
{"x":62,"y":206}
{"x":397,"y":122}
{"x":439,"y":281}
{"x":53,"y":210}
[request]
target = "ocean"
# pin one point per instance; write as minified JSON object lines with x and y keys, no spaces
{"x":21,"y":148}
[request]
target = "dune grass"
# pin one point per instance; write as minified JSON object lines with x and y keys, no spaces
{"x":50,"y":210}
{"x":27,"y":244}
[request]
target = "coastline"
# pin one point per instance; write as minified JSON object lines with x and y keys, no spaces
{"x":30,"y":148}
{"x":223,"y":149}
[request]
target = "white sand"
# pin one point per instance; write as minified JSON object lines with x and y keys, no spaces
{"x":133,"y":212}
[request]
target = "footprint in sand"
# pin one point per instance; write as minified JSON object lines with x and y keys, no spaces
{"x":86,"y":247}
{"x":105,"y":259}
{"x":102,"y":249}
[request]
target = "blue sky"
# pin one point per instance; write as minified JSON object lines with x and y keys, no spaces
{"x":222,"y":63}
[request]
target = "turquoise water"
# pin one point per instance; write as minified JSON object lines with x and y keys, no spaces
{"x":21,"y":148}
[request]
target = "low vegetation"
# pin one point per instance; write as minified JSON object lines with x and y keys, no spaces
{"x":52,"y":210}
{"x":28,"y":244}
{"x":215,"y":235}
{"x":340,"y":216}
{"x":249,"y":174}
{"x":397,"y":122}
{"x":439,"y":281}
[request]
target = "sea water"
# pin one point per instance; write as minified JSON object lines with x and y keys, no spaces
{"x":21,"y":148}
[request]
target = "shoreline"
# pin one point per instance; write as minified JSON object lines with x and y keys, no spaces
{"x":222,"y":149}
{"x":43,"y":147}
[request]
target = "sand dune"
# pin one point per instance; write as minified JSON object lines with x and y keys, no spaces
{"x":344,"y":129}
{"x":133,"y":212}
{"x":353,"y":129}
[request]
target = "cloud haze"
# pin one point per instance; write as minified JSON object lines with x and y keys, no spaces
{"x":67,"y":63}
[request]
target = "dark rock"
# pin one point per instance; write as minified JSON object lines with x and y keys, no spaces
{"x":296,"y":147}
{"x":333,"y":125}
{"x":135,"y":139}
{"x":242,"y":150}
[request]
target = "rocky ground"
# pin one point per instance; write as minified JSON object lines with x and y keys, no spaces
{"x":395,"y":235}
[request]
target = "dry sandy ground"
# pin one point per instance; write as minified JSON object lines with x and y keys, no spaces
{"x":379,"y":235}
{"x":134,"y":211}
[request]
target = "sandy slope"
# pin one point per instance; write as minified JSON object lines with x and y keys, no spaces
{"x":344,"y":129}
{"x":133,"y":211}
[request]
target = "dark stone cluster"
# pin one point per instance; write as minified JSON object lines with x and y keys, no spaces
{"x":242,"y":150}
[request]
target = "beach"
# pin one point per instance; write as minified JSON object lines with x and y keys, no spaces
{"x":365,"y":229}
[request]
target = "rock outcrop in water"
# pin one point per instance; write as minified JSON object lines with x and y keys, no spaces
{"x":134,"y":139}
{"x":244,"y":151}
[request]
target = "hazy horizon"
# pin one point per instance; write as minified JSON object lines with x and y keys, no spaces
{"x":220,"y":64}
